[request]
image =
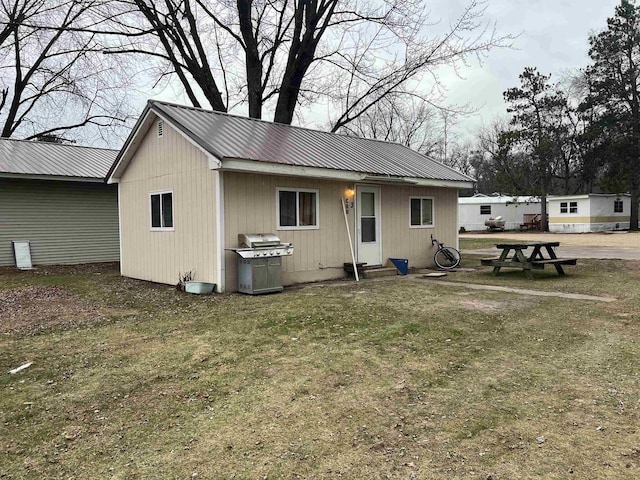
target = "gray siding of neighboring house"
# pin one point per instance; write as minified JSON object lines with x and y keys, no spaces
{"x":65,"y":222}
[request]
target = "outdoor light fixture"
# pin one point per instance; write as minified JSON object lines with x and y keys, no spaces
{"x":349,"y":198}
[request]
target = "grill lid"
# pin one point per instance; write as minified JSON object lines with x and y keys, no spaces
{"x":256,"y":240}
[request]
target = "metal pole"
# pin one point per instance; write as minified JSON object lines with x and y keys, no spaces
{"x":353,"y":257}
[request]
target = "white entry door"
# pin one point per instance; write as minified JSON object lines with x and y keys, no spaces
{"x":369,"y":244}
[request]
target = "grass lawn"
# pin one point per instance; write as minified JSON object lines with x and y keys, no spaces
{"x":397,"y":378}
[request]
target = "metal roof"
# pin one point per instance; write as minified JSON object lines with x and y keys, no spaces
{"x":230,"y":137}
{"x":496,"y":199}
{"x":46,"y":159}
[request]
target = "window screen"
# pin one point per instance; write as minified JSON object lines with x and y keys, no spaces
{"x":167,"y":210}
{"x":297,"y":208}
{"x":421,"y":212}
{"x":618,"y":206}
{"x":162,"y":210}
{"x":287,"y":209}
{"x":307,"y":206}
{"x":156,"y":219}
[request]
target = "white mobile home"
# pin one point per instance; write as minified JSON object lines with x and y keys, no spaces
{"x":589,"y":213}
{"x":190,"y":181}
{"x":474,"y":211}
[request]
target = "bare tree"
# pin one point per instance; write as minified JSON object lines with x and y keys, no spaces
{"x":54,"y":79}
{"x":348,"y":54}
{"x":393,"y":119}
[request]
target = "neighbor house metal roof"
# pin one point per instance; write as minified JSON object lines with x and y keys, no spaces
{"x":496,"y":199}
{"x":46,"y":159}
{"x":227,"y":136}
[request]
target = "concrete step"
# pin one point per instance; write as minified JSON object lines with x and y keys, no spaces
{"x":379,"y":272}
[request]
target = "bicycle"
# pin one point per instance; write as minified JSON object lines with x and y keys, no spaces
{"x":446,"y":258}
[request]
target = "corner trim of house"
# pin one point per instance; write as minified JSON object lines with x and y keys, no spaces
{"x":120,"y":226}
{"x":220,"y":231}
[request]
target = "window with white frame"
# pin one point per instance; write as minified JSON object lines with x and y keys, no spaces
{"x":421,"y":212}
{"x":618,"y":206}
{"x":485,"y":209}
{"x":563,"y":207}
{"x":297,"y":208}
{"x":573,"y":207}
{"x":161,"y":210}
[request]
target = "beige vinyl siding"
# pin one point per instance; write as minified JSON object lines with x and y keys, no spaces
{"x":65,"y":222}
{"x":168,"y":163}
{"x":398,"y":240}
{"x":250,"y":207}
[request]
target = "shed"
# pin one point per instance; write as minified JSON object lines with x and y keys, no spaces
{"x":594,"y":212}
{"x":514,"y":210}
{"x":54,"y":196}
{"x":191,"y":180}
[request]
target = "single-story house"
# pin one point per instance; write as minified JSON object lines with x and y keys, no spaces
{"x":594,"y":212}
{"x":191,"y":180}
{"x":514,"y":210}
{"x":54,"y":196}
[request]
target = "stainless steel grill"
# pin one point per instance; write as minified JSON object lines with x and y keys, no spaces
{"x":259,"y":265}
{"x":257,"y":245}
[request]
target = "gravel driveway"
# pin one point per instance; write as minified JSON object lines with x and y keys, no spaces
{"x":621,"y":245}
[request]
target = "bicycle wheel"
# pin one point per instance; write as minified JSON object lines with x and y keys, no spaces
{"x":447,"y":258}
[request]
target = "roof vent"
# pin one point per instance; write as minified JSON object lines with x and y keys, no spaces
{"x":160,"y":128}
{"x":52,"y":139}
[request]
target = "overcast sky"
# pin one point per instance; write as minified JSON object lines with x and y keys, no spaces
{"x":553,"y":36}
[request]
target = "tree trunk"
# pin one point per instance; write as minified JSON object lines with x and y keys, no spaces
{"x":253,"y":65}
{"x":635,"y":197}
{"x":544,"y":221}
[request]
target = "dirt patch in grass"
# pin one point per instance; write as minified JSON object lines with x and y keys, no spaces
{"x":38,"y":307}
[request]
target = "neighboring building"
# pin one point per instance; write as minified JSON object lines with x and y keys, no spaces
{"x":589,"y":213}
{"x":191,"y":180}
{"x":474,"y":211}
{"x":54,"y":196}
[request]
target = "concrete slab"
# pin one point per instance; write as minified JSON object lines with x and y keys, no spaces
{"x":523,"y":291}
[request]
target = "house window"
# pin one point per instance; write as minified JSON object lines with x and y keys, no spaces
{"x":485,"y":209}
{"x":297,"y":208}
{"x":573,"y":207}
{"x":618,"y":206}
{"x":161,"y":210}
{"x":421,"y":212}
{"x":563,"y":207}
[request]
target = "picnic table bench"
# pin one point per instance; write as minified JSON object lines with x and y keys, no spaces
{"x":535,"y":260}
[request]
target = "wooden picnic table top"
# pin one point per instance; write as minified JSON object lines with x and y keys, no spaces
{"x":524,"y":245}
{"x":527,"y":262}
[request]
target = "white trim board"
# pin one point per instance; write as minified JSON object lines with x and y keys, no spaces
{"x":252,"y":166}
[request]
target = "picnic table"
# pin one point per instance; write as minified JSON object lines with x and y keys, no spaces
{"x":534,"y":260}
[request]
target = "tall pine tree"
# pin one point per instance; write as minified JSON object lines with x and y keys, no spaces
{"x":538,"y":130}
{"x":615,"y":96}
